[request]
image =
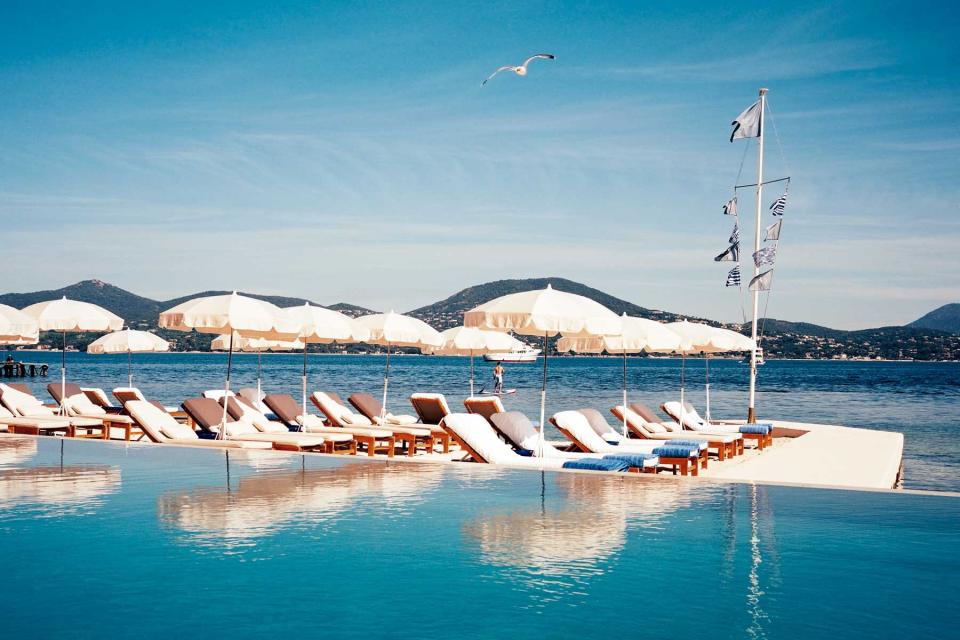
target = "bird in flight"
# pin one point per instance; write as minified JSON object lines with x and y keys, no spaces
{"x":522,"y":69}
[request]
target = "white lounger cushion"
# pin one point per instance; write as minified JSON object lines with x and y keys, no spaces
{"x":23,"y":404}
{"x":79,"y":405}
{"x":176,"y":430}
{"x":693,"y":421}
{"x":480,"y":436}
{"x":257,"y":419}
{"x":339,"y":412}
{"x":578,"y":426}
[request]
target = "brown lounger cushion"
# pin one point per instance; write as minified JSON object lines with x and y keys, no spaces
{"x":364,"y":403}
{"x":206,"y":412}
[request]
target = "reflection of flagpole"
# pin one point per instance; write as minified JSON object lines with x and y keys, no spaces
{"x":755,"y":592}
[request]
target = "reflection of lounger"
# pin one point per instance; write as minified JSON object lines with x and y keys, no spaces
{"x":290,"y":412}
{"x":372,"y":408}
{"x":161,"y":427}
{"x":518,"y":431}
{"x":575,"y":426}
{"x":478,"y":438}
{"x":724,"y":445}
{"x":208,"y":414}
{"x":759,"y":433}
{"x":240,"y":410}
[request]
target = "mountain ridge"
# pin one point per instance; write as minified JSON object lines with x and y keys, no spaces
{"x":945,"y":318}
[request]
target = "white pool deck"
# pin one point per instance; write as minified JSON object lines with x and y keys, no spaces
{"x":823,"y":456}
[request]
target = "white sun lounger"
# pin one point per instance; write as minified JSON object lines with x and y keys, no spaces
{"x":162,"y":428}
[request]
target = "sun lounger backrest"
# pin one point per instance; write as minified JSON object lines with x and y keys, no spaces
{"x":645,"y":412}
{"x":516,"y":429}
{"x":480,"y":437}
{"x":157,"y":423}
{"x":485,"y":407}
{"x":338,"y":414}
{"x":206,"y":412}
{"x":431,"y":408}
{"x":239,"y":409}
{"x":22,"y":403}
{"x":216,"y":394}
{"x":76,"y":401}
{"x":126,"y":394}
{"x":98,"y":396}
{"x":576,"y":424}
{"x":366,"y":404}
{"x":635,"y":422}
{"x":600,"y":425}
{"x":249,"y":394}
{"x":286,"y":408}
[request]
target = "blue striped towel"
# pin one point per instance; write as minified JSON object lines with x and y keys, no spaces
{"x":640,"y":460}
{"x":597,"y":464}
{"x":676,"y":452}
{"x":764,"y":429}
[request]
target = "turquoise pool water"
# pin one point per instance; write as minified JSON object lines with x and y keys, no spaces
{"x":154,"y":542}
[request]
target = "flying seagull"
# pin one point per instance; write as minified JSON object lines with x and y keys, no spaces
{"x":522,"y":69}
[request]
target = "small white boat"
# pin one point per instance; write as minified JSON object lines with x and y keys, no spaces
{"x":526,"y":354}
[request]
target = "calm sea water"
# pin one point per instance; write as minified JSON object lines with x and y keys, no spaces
{"x":156,"y":542}
{"x":922,"y":400}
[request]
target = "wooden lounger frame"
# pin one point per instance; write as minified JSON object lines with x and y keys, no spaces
{"x":722,"y":448}
{"x":683,"y":464}
{"x":760,"y":439}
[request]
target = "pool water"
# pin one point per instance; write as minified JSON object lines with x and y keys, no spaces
{"x":113,"y":540}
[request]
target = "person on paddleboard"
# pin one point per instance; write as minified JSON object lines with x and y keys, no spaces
{"x":498,"y":378}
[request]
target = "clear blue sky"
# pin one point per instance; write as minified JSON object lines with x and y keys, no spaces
{"x":347,"y":151}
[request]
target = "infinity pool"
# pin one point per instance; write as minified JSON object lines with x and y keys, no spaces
{"x":110,"y":540}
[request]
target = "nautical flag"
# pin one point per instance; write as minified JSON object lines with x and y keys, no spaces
{"x":730,"y":209}
{"x":733,"y":278}
{"x":735,"y":234}
{"x":779,"y":205}
{"x":765,"y":256}
{"x":762,"y":282}
{"x":732,"y":254}
{"x":773,"y":231}
{"x":747,"y":124}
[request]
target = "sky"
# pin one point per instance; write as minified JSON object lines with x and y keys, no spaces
{"x":347,"y":151}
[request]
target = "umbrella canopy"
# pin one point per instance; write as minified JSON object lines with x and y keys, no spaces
{"x":71,"y":316}
{"x":637,"y":334}
{"x":128,"y":342}
{"x":397,"y":330}
{"x":702,"y":338}
{"x":234,"y":314}
{"x":240,"y":343}
{"x":246,"y":316}
{"x":17,"y":327}
{"x":319,"y":325}
{"x":544,"y":312}
{"x":470,"y":341}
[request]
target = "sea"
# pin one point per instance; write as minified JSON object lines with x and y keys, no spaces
{"x":919,"y":399}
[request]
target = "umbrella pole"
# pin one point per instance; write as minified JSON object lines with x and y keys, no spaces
{"x":624,"y":392}
{"x":129,"y":369}
{"x":303,"y":387}
{"x":63,"y":375}
{"x":386,"y":382}
{"x":706,"y":364}
{"x":226,"y":392}
{"x":259,"y":372}
{"x":471,"y":373}
{"x":543,"y":399}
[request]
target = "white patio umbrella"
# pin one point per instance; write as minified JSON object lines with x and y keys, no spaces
{"x":397,"y":330}
{"x":129,"y":342}
{"x":471,"y":341}
{"x":71,"y":316}
{"x":637,"y":334}
{"x":233,"y":314}
{"x":259,"y":345}
{"x":723,"y":341}
{"x":16,"y":327}
{"x":319,"y":325}
{"x":544,"y":313}
{"x":702,"y":338}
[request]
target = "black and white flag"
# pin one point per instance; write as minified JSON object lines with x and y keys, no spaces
{"x":747,"y":124}
{"x":730,"y":209}
{"x":732,"y":254}
{"x":733,"y":278}
{"x":762,"y":282}
{"x":767,"y":255}
{"x":773,"y":231}
{"x":779,"y":205}
{"x":735,"y":234}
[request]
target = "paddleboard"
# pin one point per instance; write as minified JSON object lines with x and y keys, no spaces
{"x":505,"y":392}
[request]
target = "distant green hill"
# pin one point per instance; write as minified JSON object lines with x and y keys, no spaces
{"x":945,"y":318}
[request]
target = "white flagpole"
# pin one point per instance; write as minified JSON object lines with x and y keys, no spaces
{"x":751,"y":410}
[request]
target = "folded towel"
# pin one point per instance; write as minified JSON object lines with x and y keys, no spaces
{"x":598,"y":464}
{"x":639,"y":460}
{"x":699,"y":444}
{"x":763,"y":429}
{"x":527,"y":453}
{"x":676,"y":452}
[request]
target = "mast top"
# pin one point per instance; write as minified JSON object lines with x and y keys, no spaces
{"x":763,"y":91}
